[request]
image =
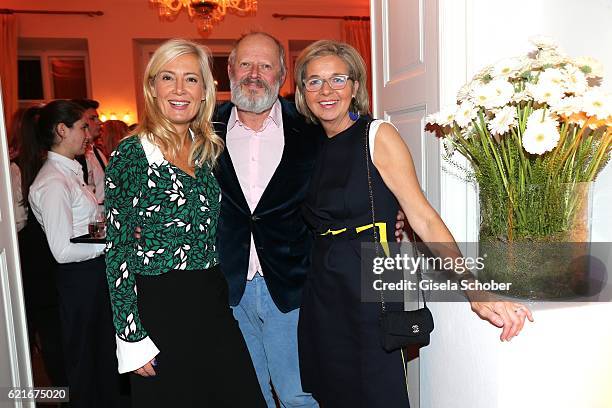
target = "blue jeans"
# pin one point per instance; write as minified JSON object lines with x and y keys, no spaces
{"x":271,"y":337}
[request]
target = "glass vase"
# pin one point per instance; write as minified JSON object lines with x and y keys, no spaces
{"x":537,"y":240}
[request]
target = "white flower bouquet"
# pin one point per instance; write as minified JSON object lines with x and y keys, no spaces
{"x":532,"y":128}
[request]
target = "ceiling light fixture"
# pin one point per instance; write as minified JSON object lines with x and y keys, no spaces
{"x":204,"y":13}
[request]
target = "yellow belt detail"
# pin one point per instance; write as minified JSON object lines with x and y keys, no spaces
{"x":334,"y":232}
{"x":382,"y":232}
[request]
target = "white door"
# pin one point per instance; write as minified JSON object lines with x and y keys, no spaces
{"x":405,"y":79}
{"x":15,"y":368}
{"x":405,"y":90}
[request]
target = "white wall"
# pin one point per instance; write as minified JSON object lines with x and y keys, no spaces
{"x":466,"y":365}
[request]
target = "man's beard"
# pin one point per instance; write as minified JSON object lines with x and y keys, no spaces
{"x":249,"y":102}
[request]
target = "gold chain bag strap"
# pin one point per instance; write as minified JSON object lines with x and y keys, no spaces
{"x":398,"y":328}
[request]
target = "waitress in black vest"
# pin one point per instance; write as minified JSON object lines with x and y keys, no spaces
{"x":64,"y":206}
{"x":38,"y":272}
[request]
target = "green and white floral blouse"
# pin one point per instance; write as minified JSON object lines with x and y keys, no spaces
{"x":178,"y":215}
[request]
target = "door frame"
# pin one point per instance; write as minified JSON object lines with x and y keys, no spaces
{"x":459,"y":203}
{"x":16,"y":367}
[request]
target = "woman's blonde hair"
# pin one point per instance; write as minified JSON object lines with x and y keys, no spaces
{"x":356,"y":67}
{"x":206,"y":146}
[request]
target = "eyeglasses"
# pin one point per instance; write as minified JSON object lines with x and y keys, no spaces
{"x":335,"y":82}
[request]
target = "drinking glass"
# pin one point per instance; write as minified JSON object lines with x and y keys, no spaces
{"x":97,"y":223}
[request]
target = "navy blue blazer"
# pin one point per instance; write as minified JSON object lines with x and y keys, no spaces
{"x":282,"y":240}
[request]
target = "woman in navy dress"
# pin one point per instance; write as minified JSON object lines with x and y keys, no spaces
{"x":341,"y":358}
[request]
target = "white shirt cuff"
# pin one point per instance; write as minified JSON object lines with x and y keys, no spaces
{"x":133,"y":355}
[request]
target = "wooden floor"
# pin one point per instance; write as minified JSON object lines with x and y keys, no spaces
{"x":39,"y":374}
{"x":41,"y":379}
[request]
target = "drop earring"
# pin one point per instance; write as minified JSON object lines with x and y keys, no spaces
{"x":353,"y":115}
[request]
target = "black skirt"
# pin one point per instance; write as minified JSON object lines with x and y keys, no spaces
{"x":203,"y":359}
{"x":38,"y":272}
{"x":88,"y":336}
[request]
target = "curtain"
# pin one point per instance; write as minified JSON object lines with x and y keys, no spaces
{"x":8,"y":66}
{"x":68,"y":77}
{"x":357,"y":34}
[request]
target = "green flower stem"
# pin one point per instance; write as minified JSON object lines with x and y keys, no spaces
{"x":462,"y":146}
{"x":488,"y":139}
{"x":553,"y":161}
{"x":577,"y":139}
{"x":525,"y":164}
{"x":604,"y":150}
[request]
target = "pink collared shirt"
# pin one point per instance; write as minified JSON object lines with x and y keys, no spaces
{"x":255,"y":155}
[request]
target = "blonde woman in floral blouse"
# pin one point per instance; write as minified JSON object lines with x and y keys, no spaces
{"x":174,"y":328}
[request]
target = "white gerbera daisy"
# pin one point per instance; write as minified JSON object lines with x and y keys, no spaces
{"x":445,"y":117}
{"x":541,"y":137}
{"x":432,"y":118}
{"x":466,"y":90}
{"x":506,"y":68}
{"x":484,"y":72}
{"x":504,"y":119}
{"x":493,"y":94}
{"x":536,"y":65}
{"x":596,"y":103}
{"x":540,"y":116}
{"x":481,"y":94}
{"x":522,"y":96}
{"x":568,"y":106}
{"x":543,"y":42}
{"x":545,"y":92}
{"x":575,"y":80}
{"x":590,"y":66}
{"x":465,"y":113}
{"x":552,"y":75}
{"x":552,"y":57}
{"x":503,"y":91}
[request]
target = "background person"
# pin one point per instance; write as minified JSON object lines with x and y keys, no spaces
{"x":174,"y":327}
{"x":38,"y":267}
{"x":23,"y":125}
{"x":341,"y":358}
{"x":113,"y":131}
{"x":93,"y":160}
{"x":64,"y":206}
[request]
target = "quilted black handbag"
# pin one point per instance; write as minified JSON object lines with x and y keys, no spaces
{"x":399,"y":328}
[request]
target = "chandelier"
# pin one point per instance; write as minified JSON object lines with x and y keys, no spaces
{"x":204,"y":13}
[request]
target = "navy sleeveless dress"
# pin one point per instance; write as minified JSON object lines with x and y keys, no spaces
{"x":342,"y":361}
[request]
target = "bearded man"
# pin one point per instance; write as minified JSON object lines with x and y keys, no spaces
{"x":263,"y":243}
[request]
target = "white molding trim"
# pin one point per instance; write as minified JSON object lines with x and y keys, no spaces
{"x":9,"y":321}
{"x":13,"y":326}
{"x":375,"y":55}
{"x":432,"y":173}
{"x":459,"y":204}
